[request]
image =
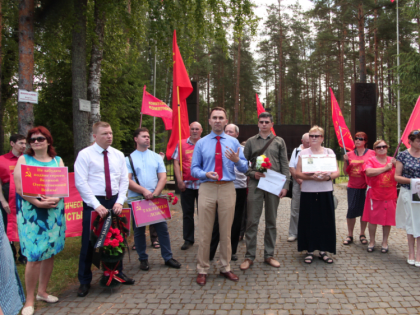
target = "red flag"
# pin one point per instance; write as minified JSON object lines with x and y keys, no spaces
{"x":260,"y":109}
{"x":182,"y":88}
{"x":155,"y":107}
{"x":339,"y":121}
{"x":413,"y":123}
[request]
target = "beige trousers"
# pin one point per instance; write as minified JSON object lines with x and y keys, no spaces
{"x":224,"y":197}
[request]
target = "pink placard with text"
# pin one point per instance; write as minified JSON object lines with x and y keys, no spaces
{"x":148,"y":212}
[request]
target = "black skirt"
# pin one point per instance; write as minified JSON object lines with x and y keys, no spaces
{"x":316,"y":227}
{"x":356,"y":202}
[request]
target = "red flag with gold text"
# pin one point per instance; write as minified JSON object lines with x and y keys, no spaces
{"x":182,"y":88}
{"x":339,"y":121}
{"x":155,"y":107}
{"x":260,"y":109}
{"x":413,"y":124}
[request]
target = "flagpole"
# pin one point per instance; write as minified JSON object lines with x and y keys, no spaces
{"x":342,"y":140}
{"x":398,"y":79}
{"x":141,"y":119}
{"x":179,"y":126}
{"x":154,"y":94}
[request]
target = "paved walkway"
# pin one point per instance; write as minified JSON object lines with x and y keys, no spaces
{"x":357,"y":282}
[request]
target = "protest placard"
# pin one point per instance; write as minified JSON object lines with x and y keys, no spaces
{"x":148,"y":212}
{"x":41,"y":180}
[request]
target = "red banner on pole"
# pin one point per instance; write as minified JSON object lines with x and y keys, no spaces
{"x":339,"y":121}
{"x":260,"y":109}
{"x":182,"y":88}
{"x":155,"y":107}
{"x":148,"y":212}
{"x":413,"y":124}
{"x":41,"y":180}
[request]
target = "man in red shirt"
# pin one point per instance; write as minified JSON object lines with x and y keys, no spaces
{"x":7,"y":165}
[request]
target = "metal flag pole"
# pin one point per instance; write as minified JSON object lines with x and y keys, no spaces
{"x":179,"y":126}
{"x":154,"y":93}
{"x":398,"y":79}
{"x":342,"y":140}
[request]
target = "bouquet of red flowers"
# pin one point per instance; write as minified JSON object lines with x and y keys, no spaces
{"x":172,"y":198}
{"x":262,"y":164}
{"x":109,"y":236}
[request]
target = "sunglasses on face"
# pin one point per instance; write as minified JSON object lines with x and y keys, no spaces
{"x":315,"y":136}
{"x":361,"y":139}
{"x":39,"y":139}
{"x":264,"y":122}
{"x":416,"y":132}
{"x":381,"y":147}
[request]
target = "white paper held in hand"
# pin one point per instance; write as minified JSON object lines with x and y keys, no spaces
{"x":273,"y":182}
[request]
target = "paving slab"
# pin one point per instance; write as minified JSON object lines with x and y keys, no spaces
{"x":357,"y":283}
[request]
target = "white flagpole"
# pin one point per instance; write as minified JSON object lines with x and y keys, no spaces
{"x":342,"y":140}
{"x":154,"y":94}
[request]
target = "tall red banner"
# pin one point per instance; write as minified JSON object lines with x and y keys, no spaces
{"x":182,"y":88}
{"x":339,"y":121}
{"x":155,"y":107}
{"x":260,"y":109}
{"x":413,"y":123}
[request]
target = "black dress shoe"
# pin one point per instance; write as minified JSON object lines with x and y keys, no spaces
{"x":234,"y":257}
{"x":173,"y":263}
{"x":144,"y":264}
{"x":186,"y":245}
{"x":128,"y":281}
{"x":83,"y":290}
{"x":23,"y":260}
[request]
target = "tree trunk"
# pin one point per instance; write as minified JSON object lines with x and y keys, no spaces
{"x":362,"y":53}
{"x":354,"y":59}
{"x":26,"y":63}
{"x":376,"y":50}
{"x":1,"y":102}
{"x":94,"y":85}
{"x":81,"y":130}
{"x":238,"y":73}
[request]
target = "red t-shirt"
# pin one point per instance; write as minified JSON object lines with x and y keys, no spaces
{"x":355,"y":169}
{"x":7,"y":165}
{"x":383,"y":186}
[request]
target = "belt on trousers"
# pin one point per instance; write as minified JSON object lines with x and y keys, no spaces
{"x":105,"y":198}
{"x":219,"y":182}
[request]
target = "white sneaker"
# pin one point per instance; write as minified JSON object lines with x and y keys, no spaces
{"x":291,"y":238}
{"x":48,"y":299}
{"x":29,"y":310}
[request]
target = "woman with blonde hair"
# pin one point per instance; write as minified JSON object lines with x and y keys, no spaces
{"x":316,"y":226}
{"x":381,"y":196}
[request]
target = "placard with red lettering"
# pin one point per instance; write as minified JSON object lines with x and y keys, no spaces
{"x":148,"y":212}
{"x":41,"y":180}
{"x":125,"y":213}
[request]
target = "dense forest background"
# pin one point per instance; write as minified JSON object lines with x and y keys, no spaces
{"x":299,"y":55}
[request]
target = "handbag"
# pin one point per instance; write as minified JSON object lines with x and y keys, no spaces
{"x":290,"y":191}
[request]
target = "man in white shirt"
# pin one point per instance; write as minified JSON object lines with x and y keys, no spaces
{"x":295,"y":204}
{"x":102,"y":180}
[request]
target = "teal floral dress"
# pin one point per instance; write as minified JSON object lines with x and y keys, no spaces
{"x":41,"y":231}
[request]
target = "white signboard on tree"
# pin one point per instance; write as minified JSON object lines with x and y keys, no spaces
{"x":27,"y":96}
{"x":84,"y":105}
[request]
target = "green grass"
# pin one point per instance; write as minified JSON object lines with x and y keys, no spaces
{"x":343,"y":178}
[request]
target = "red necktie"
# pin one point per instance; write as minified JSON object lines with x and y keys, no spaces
{"x":218,"y":165}
{"x":108,"y":188}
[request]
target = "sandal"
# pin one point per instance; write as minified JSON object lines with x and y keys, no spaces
{"x":363,"y":239}
{"x":134,"y":247}
{"x":325,"y":258}
{"x":384,"y":250}
{"x":156,"y":244}
{"x":370,"y":249}
{"x":348,"y":240}
{"x":308,"y":259}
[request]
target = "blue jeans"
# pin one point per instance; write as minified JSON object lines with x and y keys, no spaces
{"x":163,"y":236}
